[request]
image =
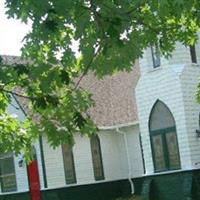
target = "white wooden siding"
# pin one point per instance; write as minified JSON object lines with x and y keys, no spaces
{"x":174,"y":83}
{"x":163,"y":84}
{"x":190,"y":80}
{"x":54,"y":165}
{"x":181,"y":56}
{"x":134,"y":148}
{"x":21,"y":172}
{"x":113,"y":156}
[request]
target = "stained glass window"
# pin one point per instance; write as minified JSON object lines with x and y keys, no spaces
{"x":97,"y":158}
{"x":68,"y":158}
{"x":163,"y":138}
{"x":158,"y":152}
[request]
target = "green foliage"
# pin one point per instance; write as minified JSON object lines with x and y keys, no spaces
{"x":112,"y":34}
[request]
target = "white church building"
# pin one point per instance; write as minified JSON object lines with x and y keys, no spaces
{"x":148,"y":141}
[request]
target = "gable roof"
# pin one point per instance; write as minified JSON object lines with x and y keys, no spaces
{"x":114,"y":96}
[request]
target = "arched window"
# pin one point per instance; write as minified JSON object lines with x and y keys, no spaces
{"x":163,"y":138}
{"x":97,"y":158}
{"x":68,"y":158}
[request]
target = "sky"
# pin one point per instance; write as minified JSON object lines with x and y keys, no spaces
{"x":12,"y":33}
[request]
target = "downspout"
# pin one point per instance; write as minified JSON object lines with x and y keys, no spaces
{"x":128,"y":159}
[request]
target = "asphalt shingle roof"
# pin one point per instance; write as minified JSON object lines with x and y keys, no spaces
{"x":114,"y":96}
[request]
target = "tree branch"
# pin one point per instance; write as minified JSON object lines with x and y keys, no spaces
{"x":100,"y":26}
{"x":87,"y":67}
{"x":97,"y":18}
{"x":16,"y":94}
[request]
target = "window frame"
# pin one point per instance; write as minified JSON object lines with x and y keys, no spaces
{"x":193,"y":54}
{"x":102,"y":177}
{"x":154,"y":51}
{"x":67,"y":180}
{"x":163,"y":132}
{"x":3,"y":189}
{"x":142,"y":153}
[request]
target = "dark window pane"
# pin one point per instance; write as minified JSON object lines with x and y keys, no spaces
{"x":97,"y":158}
{"x":8,"y":183}
{"x":161,"y":117}
{"x":7,"y":166}
{"x":68,"y":159}
{"x":193,"y":54}
{"x":155,"y":56}
{"x":172,"y":146}
{"x":7,"y":173}
{"x":159,"y":158}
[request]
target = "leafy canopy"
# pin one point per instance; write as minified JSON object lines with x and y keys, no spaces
{"x":111,"y":35}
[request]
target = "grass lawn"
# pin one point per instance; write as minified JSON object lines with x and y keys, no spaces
{"x":131,"y":198}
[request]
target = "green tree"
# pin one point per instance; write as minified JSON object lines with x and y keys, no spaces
{"x":111,"y":34}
